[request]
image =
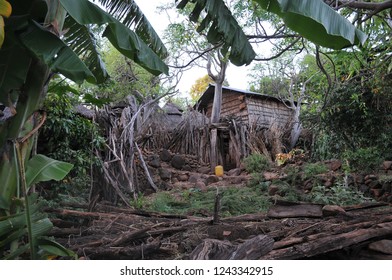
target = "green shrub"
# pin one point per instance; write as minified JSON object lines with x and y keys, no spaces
{"x":293,"y":174}
{"x":313,"y":169}
{"x":255,"y":163}
{"x":337,"y":195}
{"x":363,"y":159}
{"x":287,"y":191}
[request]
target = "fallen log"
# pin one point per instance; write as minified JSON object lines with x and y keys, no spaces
{"x":251,"y":249}
{"x":295,"y":211}
{"x":330,"y":243}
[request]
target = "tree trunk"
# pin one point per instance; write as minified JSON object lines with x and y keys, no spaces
{"x":217,"y":103}
{"x":297,"y":127}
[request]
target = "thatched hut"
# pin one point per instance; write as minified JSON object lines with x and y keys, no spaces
{"x":173,"y":114}
{"x":250,"y":122}
{"x":250,"y":107}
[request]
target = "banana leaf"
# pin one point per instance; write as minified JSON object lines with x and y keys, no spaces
{"x":316,"y":21}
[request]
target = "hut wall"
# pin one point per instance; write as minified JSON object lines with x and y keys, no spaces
{"x":232,"y":104}
{"x":267,"y":111}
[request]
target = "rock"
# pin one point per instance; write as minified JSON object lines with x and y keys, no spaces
{"x":193,"y":178}
{"x":364,"y":188}
{"x":166,"y":155}
{"x":183,"y":177}
{"x":370,"y":177}
{"x":375,"y":185}
{"x":201,"y":185}
{"x":234,"y":172}
{"x":270,"y":176}
{"x":212,"y":179}
{"x":387,"y":164}
{"x":187,"y":168}
{"x":204,"y":170}
{"x":382,"y":246}
{"x":359,"y":179}
{"x":335,"y":165}
{"x":237,"y":180}
{"x":387,"y":187}
{"x":332,"y":210}
{"x":273,"y":189}
{"x":154,"y":161}
{"x":164,"y":173}
{"x":376,"y":192}
{"x":178,"y":161}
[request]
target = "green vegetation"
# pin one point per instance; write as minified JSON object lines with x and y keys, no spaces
{"x":313,"y":169}
{"x":69,"y":137}
{"x":256,"y":163}
{"x":363,"y":160}
{"x":336,"y":195}
{"x":235,"y":201}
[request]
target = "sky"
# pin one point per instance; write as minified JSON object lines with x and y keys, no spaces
{"x":236,"y":76}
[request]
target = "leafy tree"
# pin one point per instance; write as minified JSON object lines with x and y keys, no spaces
{"x":36,"y":46}
{"x":71,"y":137}
{"x":200,"y":85}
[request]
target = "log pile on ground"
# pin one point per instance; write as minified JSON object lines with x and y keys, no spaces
{"x":287,"y":231}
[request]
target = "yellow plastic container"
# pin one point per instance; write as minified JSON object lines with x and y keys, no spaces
{"x":219,"y":170}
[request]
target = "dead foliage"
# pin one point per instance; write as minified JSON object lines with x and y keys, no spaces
{"x":124,"y":233}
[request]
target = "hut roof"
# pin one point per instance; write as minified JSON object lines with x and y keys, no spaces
{"x":172,"y":109}
{"x":208,"y":95}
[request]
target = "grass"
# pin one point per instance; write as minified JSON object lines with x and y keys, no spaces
{"x":235,"y":201}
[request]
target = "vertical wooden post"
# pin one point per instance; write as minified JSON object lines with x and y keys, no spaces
{"x":214,"y":154}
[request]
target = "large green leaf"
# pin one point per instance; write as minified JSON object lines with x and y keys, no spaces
{"x":124,"y":39}
{"x":41,"y":168}
{"x":129,"y":14}
{"x":14,"y":65}
{"x":222,"y":28}
{"x":14,"y":228}
{"x":316,"y":21}
{"x":51,"y":247}
{"x":58,"y":56}
{"x":81,"y":40}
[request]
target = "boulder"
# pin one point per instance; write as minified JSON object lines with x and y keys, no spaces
{"x":165,"y":155}
{"x":193,"y":178}
{"x":234,"y":172}
{"x":201,"y":185}
{"x":164,"y":173}
{"x":186,"y":167}
{"x":183,"y":177}
{"x":212,"y":179}
{"x":387,"y":164}
{"x":204,"y":170}
{"x":237,"y":180}
{"x":178,"y":161}
{"x":154,"y":161}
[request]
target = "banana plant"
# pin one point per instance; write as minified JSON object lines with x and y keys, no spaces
{"x":313,"y":19}
{"x":40,"y":38}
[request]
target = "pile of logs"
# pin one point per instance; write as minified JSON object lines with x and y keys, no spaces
{"x":287,"y":231}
